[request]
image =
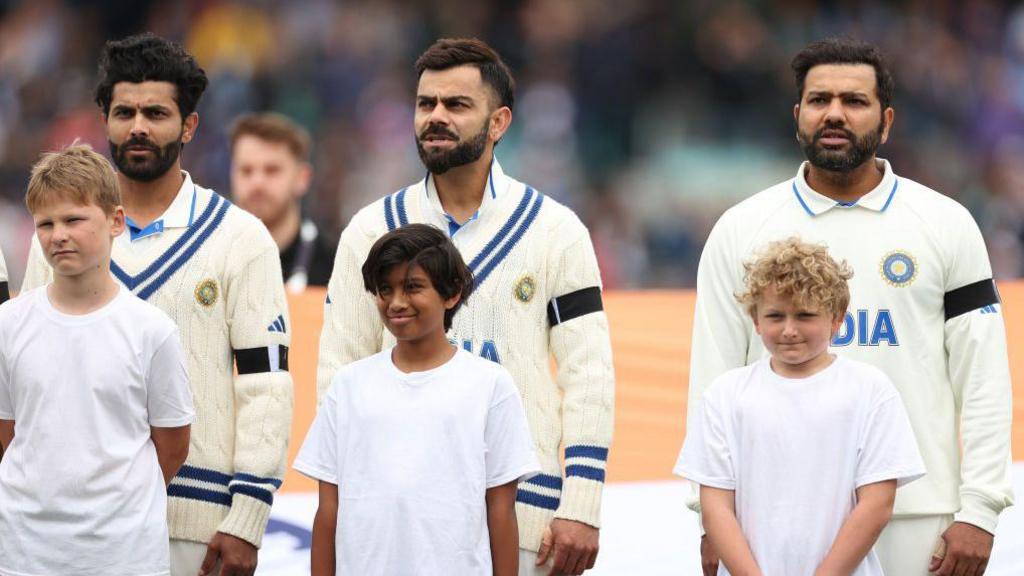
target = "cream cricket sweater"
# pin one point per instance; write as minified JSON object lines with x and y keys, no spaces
{"x":537,"y":295}
{"x":218,"y":276}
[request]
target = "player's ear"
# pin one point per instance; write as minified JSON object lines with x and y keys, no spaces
{"x":117,"y":221}
{"x":500,"y":120}
{"x":450,"y":303}
{"x":189,"y":126}
{"x":888,"y":115}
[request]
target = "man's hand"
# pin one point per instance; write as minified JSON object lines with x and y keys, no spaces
{"x":237,"y":557}
{"x":708,"y":557}
{"x":573,"y":545}
{"x":967,"y":549}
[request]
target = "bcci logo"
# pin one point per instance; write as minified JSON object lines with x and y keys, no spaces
{"x":899,"y":268}
{"x":206,"y":293}
{"x":525,"y":288}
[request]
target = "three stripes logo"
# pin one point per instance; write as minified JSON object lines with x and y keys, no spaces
{"x":277,"y":325}
{"x":990,"y":309}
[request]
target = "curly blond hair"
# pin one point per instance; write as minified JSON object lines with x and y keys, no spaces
{"x":800,"y":270}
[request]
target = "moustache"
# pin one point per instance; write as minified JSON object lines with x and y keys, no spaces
{"x":139,"y":143}
{"x":438,"y":130}
{"x":820,"y":133}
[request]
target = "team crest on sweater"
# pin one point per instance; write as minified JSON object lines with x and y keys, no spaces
{"x":899,"y":268}
{"x":525,"y":288}
{"x":207,"y":292}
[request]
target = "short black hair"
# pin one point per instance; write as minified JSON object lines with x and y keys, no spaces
{"x":451,"y":52}
{"x":845,"y":50}
{"x":429,"y":248}
{"x":148,"y":57}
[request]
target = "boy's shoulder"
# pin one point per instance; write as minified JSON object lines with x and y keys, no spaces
{"x":19,"y":309}
{"x":870,"y":378}
{"x":148,"y":316}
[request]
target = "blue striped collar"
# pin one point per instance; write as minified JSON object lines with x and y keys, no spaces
{"x":877,"y":199}
{"x":496,"y":187}
{"x":181,"y":213}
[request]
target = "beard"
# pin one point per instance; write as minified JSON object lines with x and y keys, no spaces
{"x":860,"y":150}
{"x":145,"y":169}
{"x":464,"y":152}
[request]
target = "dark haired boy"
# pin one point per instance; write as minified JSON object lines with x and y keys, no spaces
{"x":537,"y":296}
{"x":418,"y":448}
{"x":214,"y":269}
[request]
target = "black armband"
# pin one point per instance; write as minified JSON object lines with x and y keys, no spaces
{"x":574,"y":305}
{"x":273,"y":358}
{"x":970,"y":297}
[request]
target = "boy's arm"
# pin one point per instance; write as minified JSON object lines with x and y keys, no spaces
{"x":860,"y":530}
{"x":724,"y":533}
{"x":171,"y":448}
{"x":503,"y":529}
{"x":325,"y":526}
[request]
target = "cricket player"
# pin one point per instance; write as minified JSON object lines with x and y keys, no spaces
{"x":538,"y":294}
{"x":214,"y":269}
{"x":923,"y":308}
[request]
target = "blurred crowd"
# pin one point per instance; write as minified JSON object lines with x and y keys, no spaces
{"x":648,"y":117}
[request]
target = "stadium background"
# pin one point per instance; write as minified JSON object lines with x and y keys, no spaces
{"x":648,"y":117}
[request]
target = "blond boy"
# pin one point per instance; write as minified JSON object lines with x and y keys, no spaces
{"x":95,"y":406}
{"x":798,"y":455}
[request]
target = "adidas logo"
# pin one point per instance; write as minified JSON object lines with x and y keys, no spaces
{"x":277,"y":325}
{"x":990,"y":309}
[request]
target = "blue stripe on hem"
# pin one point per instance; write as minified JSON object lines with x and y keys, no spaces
{"x":537,"y":500}
{"x":584,"y":451}
{"x":546,"y":481}
{"x":203,"y":475}
{"x":242,"y":477}
{"x":588,"y":472}
{"x":201,"y":494}
{"x":261,"y":494}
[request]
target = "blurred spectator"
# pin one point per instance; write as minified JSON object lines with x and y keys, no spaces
{"x":649,"y":117}
{"x":270,"y":174}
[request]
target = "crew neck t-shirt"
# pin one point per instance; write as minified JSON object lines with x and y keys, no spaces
{"x":81,"y":490}
{"x":795,"y":451}
{"x":413,"y":455}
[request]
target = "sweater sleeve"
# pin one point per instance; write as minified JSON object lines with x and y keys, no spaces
{"x":721,"y":329}
{"x":352,"y":327}
{"x":979,"y":371}
{"x":582,"y":349}
{"x":5,"y":292}
{"x":255,"y":301}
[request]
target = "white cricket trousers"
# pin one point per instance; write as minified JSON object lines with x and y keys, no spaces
{"x":187,"y":557}
{"x":905,"y":546}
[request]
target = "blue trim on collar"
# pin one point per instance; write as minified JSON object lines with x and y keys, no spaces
{"x":192,"y":210}
{"x":847,"y":204}
{"x":504,"y":230}
{"x":482,"y":275}
{"x":895,"y":185}
{"x":133,"y":281}
{"x":490,"y":179}
{"x":136,"y":232}
{"x":801,"y":200}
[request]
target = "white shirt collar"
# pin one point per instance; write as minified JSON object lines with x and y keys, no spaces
{"x":497,"y":185}
{"x":877,"y":199}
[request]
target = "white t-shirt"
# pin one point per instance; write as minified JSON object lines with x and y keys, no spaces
{"x":413,"y":455}
{"x":795,"y":451}
{"x":81,"y":491}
